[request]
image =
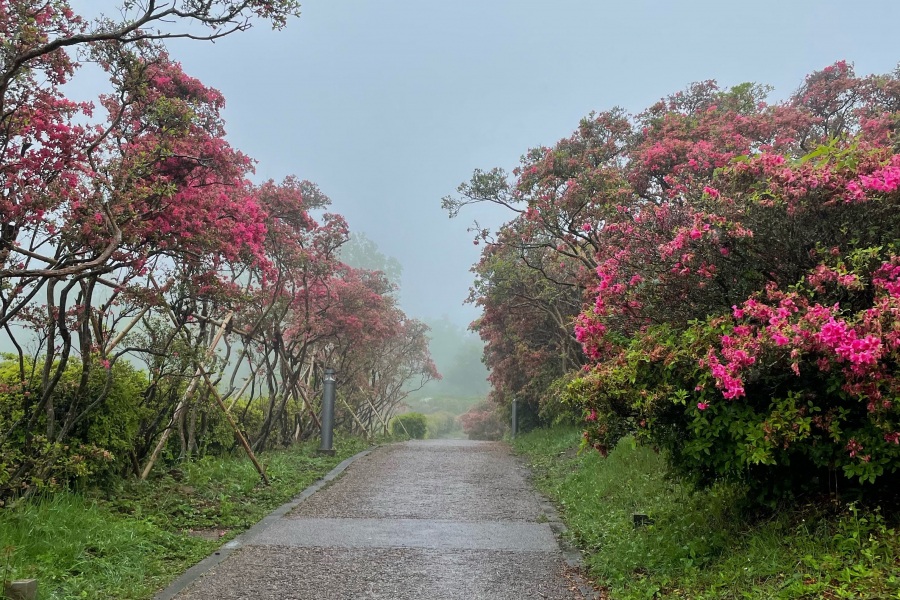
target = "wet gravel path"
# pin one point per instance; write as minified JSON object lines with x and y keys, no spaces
{"x":439,"y":519}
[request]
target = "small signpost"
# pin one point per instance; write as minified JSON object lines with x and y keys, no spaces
{"x":515,"y":420}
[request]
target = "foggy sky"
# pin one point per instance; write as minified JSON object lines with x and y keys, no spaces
{"x":389,"y":105}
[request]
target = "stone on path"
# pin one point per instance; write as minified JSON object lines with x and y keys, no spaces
{"x":437,"y":519}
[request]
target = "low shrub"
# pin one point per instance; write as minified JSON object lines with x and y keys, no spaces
{"x":410,"y":425}
{"x":483,"y":423}
{"x":93,"y":435}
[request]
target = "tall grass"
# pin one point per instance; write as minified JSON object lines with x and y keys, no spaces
{"x":704,"y":544}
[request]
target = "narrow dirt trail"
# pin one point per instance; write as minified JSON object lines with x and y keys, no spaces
{"x":439,"y":519}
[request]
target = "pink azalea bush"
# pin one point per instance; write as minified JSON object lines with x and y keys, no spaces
{"x":727,"y":267}
{"x":481,"y":422}
{"x":766,"y":347}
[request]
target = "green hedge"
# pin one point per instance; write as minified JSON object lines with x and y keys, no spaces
{"x":412,"y":425}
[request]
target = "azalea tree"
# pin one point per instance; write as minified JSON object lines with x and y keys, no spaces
{"x":526,"y":325}
{"x":537,"y":267}
{"x":133,"y":231}
{"x":380,"y":355}
{"x":739,"y":310}
{"x":80,"y":202}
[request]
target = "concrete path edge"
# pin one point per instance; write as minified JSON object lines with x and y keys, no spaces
{"x":224,"y":551}
{"x":572,"y":555}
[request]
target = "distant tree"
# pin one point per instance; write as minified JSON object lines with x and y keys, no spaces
{"x":466,"y":374}
{"x":360,"y":252}
{"x":457,"y":354}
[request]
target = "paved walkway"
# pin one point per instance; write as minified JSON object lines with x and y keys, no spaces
{"x":440,"y":519}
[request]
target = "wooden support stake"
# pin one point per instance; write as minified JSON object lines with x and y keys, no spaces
{"x":234,"y":427}
{"x":117,"y":340}
{"x":307,"y":404}
{"x":355,"y":418}
{"x":246,"y":385}
{"x":183,"y":400}
{"x":237,"y":330}
{"x":296,"y":386}
{"x":375,"y":410}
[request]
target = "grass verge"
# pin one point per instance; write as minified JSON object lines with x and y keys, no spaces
{"x":702,"y":544}
{"x":132,"y":541}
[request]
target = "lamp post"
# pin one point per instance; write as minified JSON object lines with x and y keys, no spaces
{"x":327,"y":446}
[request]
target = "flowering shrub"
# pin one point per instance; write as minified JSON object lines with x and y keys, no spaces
{"x":481,"y":422}
{"x":832,"y":366}
{"x":795,"y":385}
{"x":736,"y":266}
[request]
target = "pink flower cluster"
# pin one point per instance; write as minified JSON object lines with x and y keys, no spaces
{"x":886,"y":179}
{"x":847,"y":346}
{"x":793,"y":327}
{"x":854,"y":448}
{"x":727,"y":375}
{"x":589,"y":332}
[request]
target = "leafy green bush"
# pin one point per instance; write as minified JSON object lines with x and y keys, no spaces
{"x":93,"y":437}
{"x":113,"y":424}
{"x":410,"y":425}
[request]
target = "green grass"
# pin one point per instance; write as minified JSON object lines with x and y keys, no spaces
{"x":703,"y":544}
{"x":79,"y":549}
{"x":132,"y":541}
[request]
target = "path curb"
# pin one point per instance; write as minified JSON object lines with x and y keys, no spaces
{"x":201,"y":568}
{"x":571,"y":554}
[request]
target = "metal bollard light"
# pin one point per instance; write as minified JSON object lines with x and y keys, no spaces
{"x":515,"y":420}
{"x":327,"y":446}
